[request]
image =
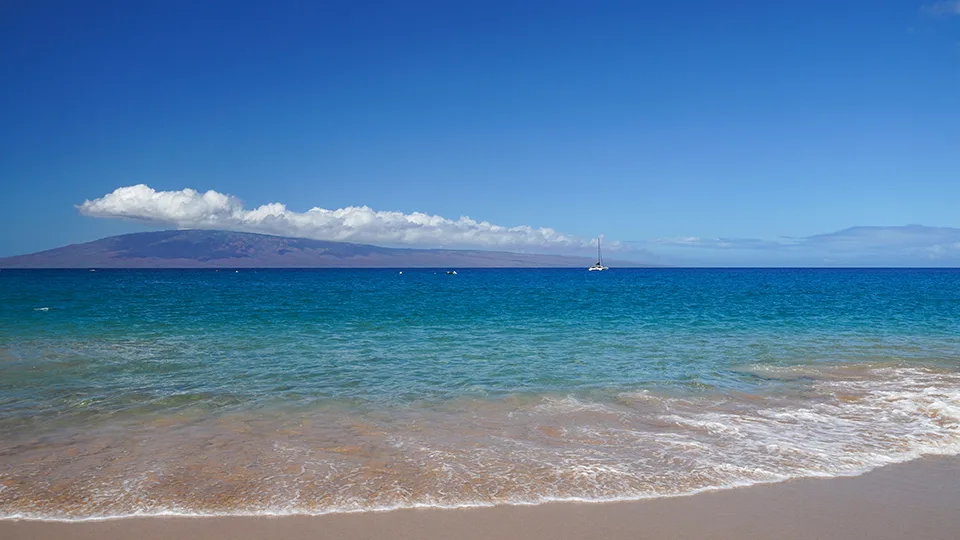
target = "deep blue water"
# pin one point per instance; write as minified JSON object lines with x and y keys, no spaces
{"x":377,"y":335}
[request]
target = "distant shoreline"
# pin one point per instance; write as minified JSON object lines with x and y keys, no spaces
{"x":193,"y":248}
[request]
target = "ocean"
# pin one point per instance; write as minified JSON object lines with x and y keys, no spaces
{"x":271,"y":392}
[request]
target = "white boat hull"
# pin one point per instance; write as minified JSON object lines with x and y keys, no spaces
{"x":599,"y":266}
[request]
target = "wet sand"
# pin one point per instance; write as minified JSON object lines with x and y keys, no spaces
{"x":917,"y":500}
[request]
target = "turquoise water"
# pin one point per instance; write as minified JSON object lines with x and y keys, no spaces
{"x":281,"y":391}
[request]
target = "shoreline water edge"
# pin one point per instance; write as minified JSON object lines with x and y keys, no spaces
{"x":917,"y":499}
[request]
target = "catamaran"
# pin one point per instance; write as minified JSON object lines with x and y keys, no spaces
{"x":599,"y":266}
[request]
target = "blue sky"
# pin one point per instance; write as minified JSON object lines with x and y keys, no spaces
{"x":744,"y":126}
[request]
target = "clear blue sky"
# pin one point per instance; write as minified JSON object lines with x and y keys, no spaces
{"x":638,"y":120}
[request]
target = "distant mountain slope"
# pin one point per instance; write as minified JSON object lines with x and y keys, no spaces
{"x":223,"y":249}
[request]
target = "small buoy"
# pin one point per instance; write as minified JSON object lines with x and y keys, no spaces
{"x":401,"y":273}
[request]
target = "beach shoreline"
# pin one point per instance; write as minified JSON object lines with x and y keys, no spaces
{"x":917,"y":499}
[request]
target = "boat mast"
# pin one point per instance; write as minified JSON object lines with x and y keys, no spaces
{"x":599,"y":256}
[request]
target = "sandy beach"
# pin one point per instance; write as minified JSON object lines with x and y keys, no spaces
{"x":916,"y":500}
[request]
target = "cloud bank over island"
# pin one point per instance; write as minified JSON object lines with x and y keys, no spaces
{"x":909,"y":245}
{"x":191,"y":209}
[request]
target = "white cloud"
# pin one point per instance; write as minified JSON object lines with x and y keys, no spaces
{"x":188,"y":208}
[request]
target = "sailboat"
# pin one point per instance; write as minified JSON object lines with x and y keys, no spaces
{"x":599,"y":266}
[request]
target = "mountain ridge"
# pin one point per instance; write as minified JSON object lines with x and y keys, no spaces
{"x":200,"y":248}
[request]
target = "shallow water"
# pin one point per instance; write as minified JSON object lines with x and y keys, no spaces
{"x":272,"y":391}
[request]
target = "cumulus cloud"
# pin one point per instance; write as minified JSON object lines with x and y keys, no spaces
{"x":190,"y":209}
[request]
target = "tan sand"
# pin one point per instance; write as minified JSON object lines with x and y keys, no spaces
{"x":913,"y":501}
